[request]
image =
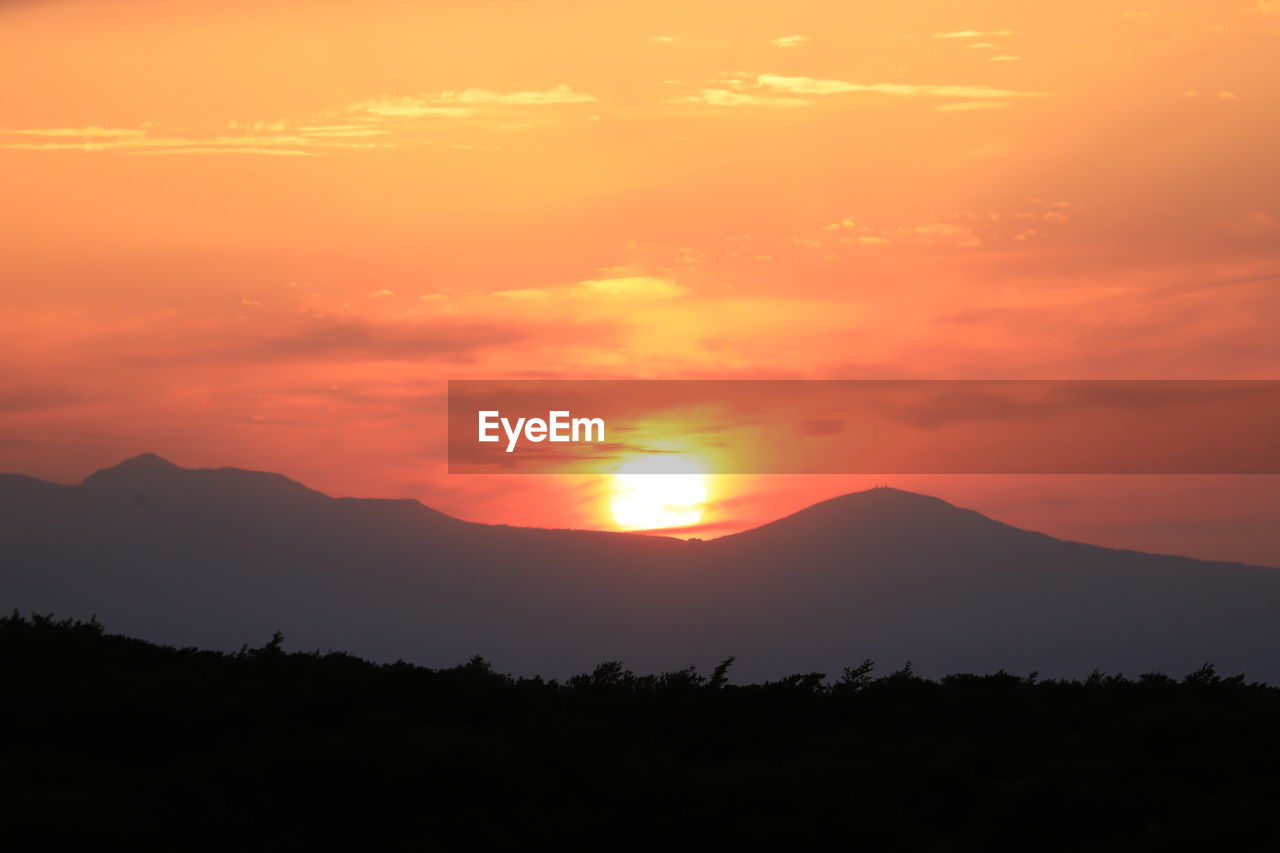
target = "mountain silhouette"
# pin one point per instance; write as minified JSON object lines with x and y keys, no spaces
{"x":220,"y":557}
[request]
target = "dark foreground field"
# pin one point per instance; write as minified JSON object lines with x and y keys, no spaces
{"x":106,"y":740}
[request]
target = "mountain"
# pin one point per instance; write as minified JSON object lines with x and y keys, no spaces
{"x":223,"y":557}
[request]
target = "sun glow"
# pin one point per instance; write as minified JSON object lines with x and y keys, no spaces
{"x":655,"y":492}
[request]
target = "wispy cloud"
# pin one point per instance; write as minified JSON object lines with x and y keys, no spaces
{"x":948,"y":232}
{"x":351,"y":339}
{"x":790,"y":41}
{"x":342,"y":131}
{"x":404,"y":106}
{"x":148,"y":140}
{"x":727,"y":98}
{"x":93,"y":132}
{"x":525,"y":293}
{"x":1222,"y":95}
{"x":561,"y":94}
{"x":226,"y":149}
{"x":743,"y":89}
{"x":263,"y":138}
{"x":632,"y":286}
{"x":620,"y":287}
{"x":816,"y":86}
{"x":973,"y":34}
{"x":357,"y":126}
{"x":463,"y":103}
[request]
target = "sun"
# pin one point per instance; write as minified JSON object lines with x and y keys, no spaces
{"x":653,"y":492}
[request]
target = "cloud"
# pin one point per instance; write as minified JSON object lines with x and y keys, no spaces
{"x":148,"y":140}
{"x":1223,"y":95}
{"x":259,"y":126}
{"x":1005,"y":58}
{"x":225,"y":149}
{"x":342,"y":130}
{"x":948,"y":232}
{"x":403,"y":106}
{"x":806,"y":85}
{"x":815,"y":86}
{"x":634,"y":286}
{"x":371,"y":340}
{"x":33,"y":398}
{"x":271,"y":138}
{"x":94,"y":132}
{"x":561,"y":94}
{"x":726,"y":98}
{"x":849,"y":232}
{"x":663,"y":39}
{"x":625,"y":287}
{"x":973,"y":34}
{"x":790,"y":41}
{"x":461,"y":103}
{"x":525,"y":293}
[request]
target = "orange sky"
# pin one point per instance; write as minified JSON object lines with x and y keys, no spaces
{"x":264,"y":233}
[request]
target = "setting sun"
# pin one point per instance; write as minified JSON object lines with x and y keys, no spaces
{"x":657,"y":492}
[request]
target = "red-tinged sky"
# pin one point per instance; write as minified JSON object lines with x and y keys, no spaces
{"x":264,"y":234}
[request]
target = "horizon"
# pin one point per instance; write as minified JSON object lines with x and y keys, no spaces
{"x":992,"y":494}
{"x":198,"y":556}
{"x":676,"y":533}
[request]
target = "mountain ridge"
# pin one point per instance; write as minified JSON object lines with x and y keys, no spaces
{"x":209,"y":556}
{"x":884,"y":497}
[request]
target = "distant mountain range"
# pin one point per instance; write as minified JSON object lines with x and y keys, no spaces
{"x":223,"y":557}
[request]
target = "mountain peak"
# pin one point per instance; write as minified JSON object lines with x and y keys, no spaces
{"x":143,"y":466}
{"x":147,"y":462}
{"x":891,"y":493}
{"x":877,"y":514}
{"x":153,"y":476}
{"x":884,"y":497}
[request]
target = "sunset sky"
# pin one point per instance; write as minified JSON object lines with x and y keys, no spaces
{"x":265,"y":234}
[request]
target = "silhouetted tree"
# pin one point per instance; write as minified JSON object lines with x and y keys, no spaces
{"x":107,"y":741}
